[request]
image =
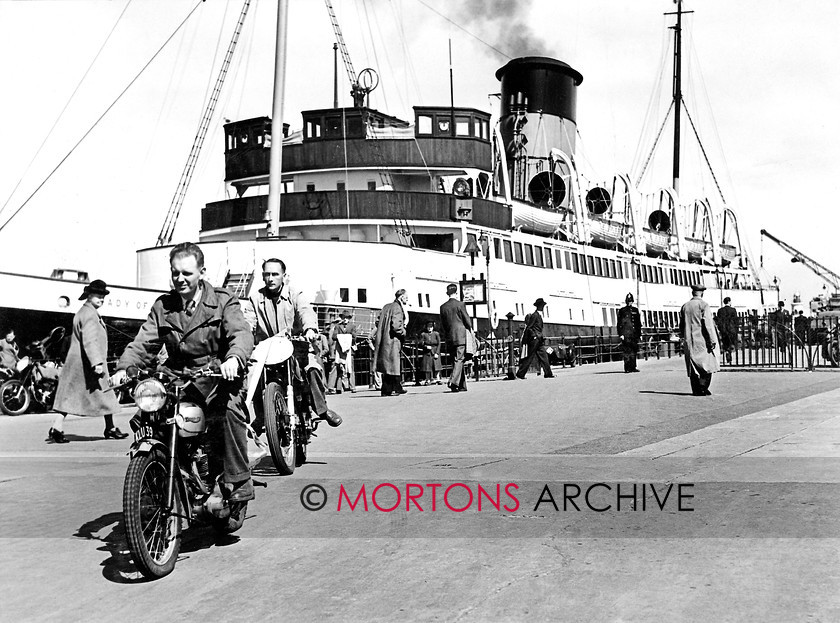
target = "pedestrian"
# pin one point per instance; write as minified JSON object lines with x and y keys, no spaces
{"x":727,"y":324}
{"x":780,"y":326}
{"x":391,"y":333}
{"x":801,"y":327}
{"x":430,"y":341}
{"x":375,"y":375}
{"x":699,"y":336}
{"x":456,"y":324}
{"x":629,"y":333}
{"x":8,"y":350}
{"x":533,"y":343}
{"x":342,"y":345}
{"x":83,"y":384}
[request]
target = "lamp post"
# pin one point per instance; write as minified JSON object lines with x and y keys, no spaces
{"x":511,"y":373}
{"x":777,"y":283}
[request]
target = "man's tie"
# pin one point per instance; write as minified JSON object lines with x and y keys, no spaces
{"x":190,"y":307}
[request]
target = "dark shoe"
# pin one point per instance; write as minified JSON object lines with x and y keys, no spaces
{"x":706,"y":392}
{"x":520,"y":377}
{"x":56,"y":436}
{"x":242,"y":491}
{"x":114,"y":433}
{"x":387,"y":393}
{"x":332,"y":418}
{"x":402,"y":390}
{"x":453,"y":388}
{"x":549,"y":376}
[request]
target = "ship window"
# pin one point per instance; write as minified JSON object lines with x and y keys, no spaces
{"x":568,"y":263}
{"x":591,"y":261}
{"x":371,"y":185}
{"x":424,"y":124}
{"x":419,"y":300}
{"x":575,"y":263}
{"x":310,"y":188}
{"x":548,"y":260}
{"x":462,"y":126}
{"x":612,"y":316}
{"x":529,"y":255}
{"x":479,"y":129}
{"x":618,"y":271}
{"x":598,"y":268}
{"x":538,"y":257}
{"x":340,"y":186}
{"x":333,"y":126}
{"x":497,"y":248}
{"x":428,"y":303}
{"x":231,"y":142}
{"x":362,"y":295}
{"x":243,"y":138}
{"x":517,"y":247}
{"x":612,"y":269}
{"x":259,"y":139}
{"x":604,"y":310}
{"x":344,"y":295}
{"x":508,"y":246}
{"x":570,"y":313}
{"x":558,"y":255}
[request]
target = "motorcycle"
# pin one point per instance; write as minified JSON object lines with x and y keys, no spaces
{"x":35,"y":378}
{"x":172,"y":481}
{"x":290,"y":423}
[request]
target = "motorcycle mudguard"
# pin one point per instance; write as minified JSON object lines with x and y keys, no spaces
{"x":145,"y":446}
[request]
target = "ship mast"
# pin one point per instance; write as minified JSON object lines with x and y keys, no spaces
{"x":677,"y":91}
{"x":275,"y":157}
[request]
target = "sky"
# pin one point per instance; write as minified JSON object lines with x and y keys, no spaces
{"x":761,"y":85}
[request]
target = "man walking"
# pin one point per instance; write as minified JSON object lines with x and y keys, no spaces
{"x":727,"y":322}
{"x":629,"y":332}
{"x":533,"y":343}
{"x":390,"y":334}
{"x":699,"y":337}
{"x":455,"y":323}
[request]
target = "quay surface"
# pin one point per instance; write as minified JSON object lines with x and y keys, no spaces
{"x":758,"y":461}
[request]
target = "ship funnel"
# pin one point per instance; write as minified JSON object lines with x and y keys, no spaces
{"x":538,"y":111}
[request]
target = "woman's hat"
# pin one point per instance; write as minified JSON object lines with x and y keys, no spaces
{"x":97,"y":286}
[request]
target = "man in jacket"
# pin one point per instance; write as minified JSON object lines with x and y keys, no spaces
{"x":727,"y":323}
{"x":533,"y":343}
{"x":699,"y":337}
{"x":200,"y":326}
{"x":342,"y":345}
{"x":390,"y":333}
{"x":629,"y":332}
{"x":455,"y":324}
{"x":279,"y":309}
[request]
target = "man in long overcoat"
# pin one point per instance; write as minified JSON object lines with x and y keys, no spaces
{"x":727,"y":322}
{"x":82,"y":385}
{"x":390,"y":334}
{"x":700,"y":338}
{"x":455,"y":323}
{"x":629,"y":332}
{"x":533,"y":343}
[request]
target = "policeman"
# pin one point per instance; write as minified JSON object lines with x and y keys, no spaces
{"x":629,"y":332}
{"x":202,"y":326}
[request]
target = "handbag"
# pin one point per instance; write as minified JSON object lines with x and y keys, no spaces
{"x":470,"y":349}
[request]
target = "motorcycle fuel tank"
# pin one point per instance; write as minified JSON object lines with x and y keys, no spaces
{"x":190,"y":419}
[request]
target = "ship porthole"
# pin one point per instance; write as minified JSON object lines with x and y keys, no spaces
{"x":63,"y":302}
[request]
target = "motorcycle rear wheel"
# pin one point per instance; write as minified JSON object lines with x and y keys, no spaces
{"x":278,"y":429}
{"x":14,"y":398}
{"x":153,"y":533}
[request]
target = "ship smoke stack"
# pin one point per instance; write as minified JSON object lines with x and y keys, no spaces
{"x":538,"y":111}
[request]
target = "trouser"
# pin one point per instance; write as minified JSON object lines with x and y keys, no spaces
{"x":458,"y":378}
{"x":336,"y":378}
{"x":375,"y":380}
{"x":628,"y":352}
{"x":535,"y":350}
{"x":227,"y":430}
{"x":315,"y":376}
{"x":700,"y":382}
{"x":391,"y":383}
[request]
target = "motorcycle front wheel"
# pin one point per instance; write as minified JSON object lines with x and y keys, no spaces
{"x":278,"y":429}
{"x":14,"y":398}
{"x":152,"y":531}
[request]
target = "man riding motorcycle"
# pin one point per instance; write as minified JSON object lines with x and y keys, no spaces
{"x":202,"y":326}
{"x":279,"y":309}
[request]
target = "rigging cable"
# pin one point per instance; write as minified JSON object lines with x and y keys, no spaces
{"x":61,"y":114}
{"x":457,"y":25}
{"x":102,"y":116}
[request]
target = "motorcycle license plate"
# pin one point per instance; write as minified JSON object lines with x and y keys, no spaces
{"x":144,"y":432}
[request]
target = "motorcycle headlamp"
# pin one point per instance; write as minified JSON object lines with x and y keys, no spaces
{"x":150,"y":395}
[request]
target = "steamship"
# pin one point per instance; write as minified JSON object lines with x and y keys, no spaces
{"x":370,"y":203}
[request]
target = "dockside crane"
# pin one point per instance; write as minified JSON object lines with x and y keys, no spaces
{"x":828,"y":275}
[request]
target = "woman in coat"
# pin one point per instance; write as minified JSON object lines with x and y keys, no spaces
{"x":389,"y":338}
{"x":84,"y":377}
{"x":430,"y":341}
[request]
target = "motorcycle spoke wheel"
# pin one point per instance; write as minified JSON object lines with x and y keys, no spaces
{"x":14,"y":398}
{"x":153,"y":531}
{"x":278,"y":429}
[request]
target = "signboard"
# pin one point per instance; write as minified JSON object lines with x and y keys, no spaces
{"x":474,"y":291}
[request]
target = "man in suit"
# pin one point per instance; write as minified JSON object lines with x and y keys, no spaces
{"x":629,"y":332}
{"x":533,"y":343}
{"x":200,"y":326}
{"x":727,"y":322}
{"x":280,"y":309}
{"x":455,"y":323}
